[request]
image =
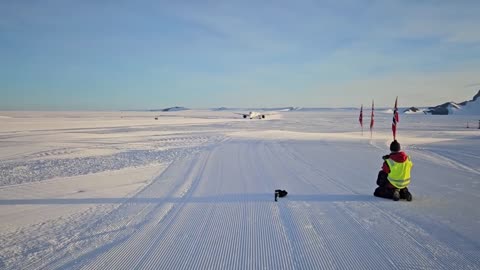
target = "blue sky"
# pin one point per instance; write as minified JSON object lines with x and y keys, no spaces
{"x":109,"y":55}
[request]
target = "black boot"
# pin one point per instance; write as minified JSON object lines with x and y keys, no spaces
{"x":396,"y":194}
{"x":405,"y":194}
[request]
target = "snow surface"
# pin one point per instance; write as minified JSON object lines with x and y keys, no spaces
{"x":417,"y":112}
{"x":195,"y":190}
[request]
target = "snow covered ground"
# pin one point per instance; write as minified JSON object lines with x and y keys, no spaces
{"x":195,"y":190}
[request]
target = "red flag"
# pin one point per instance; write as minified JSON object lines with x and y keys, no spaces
{"x":395,"y":120}
{"x":360,"y":118}
{"x":371,"y":117}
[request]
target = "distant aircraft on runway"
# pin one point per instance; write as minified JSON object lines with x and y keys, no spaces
{"x":252,"y":115}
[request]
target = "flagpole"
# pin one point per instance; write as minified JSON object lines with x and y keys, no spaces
{"x":360,"y":118}
{"x":395,"y":120}
{"x":372,"y":121}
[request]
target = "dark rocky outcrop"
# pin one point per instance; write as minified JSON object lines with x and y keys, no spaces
{"x":443,"y":108}
{"x":412,"y":109}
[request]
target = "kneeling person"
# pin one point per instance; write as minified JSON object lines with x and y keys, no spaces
{"x":394,"y":178}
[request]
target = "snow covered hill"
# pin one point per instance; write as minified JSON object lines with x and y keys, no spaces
{"x":170,"y":109}
{"x":471,"y":107}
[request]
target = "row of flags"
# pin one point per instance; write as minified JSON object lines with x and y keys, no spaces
{"x":395,"y":119}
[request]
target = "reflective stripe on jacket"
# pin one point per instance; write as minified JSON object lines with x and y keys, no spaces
{"x":399,"y":175}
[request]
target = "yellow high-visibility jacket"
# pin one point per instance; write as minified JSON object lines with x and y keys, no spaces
{"x":399,"y":175}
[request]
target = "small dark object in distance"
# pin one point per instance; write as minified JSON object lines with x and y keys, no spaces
{"x":280,"y":193}
{"x":156,"y":118}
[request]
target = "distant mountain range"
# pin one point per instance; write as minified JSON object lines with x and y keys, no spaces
{"x":171,"y":109}
{"x":469,"y":107}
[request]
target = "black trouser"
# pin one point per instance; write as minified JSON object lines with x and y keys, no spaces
{"x":382,"y":179}
{"x":385,"y":189}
